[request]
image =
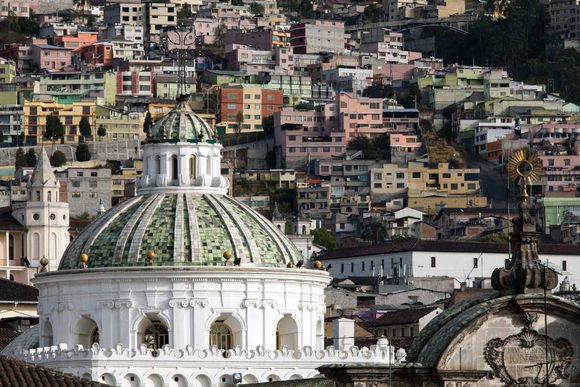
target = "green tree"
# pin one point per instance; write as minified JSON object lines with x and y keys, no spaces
{"x":324,"y":238}
{"x":365,"y":145}
{"x":83,"y":153}
{"x":85,"y":127}
{"x":30,"y":158}
{"x":101,"y":131}
{"x":373,"y":13}
{"x":237,"y":2}
{"x":220,"y":35}
{"x":54,"y":128}
{"x":183,"y":14}
{"x":496,"y":237}
{"x":256,"y":9}
{"x":374,"y":231}
{"x":305,"y":9}
{"x":20,"y":159}
{"x":57,"y":159}
{"x":147,"y":125}
{"x":268,"y":125}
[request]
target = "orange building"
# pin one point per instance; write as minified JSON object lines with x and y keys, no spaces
{"x":75,"y":41}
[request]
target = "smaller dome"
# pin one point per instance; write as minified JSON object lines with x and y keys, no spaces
{"x":181,"y":125}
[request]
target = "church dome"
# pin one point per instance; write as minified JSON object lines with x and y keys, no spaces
{"x":181,"y":124}
{"x":182,"y":229}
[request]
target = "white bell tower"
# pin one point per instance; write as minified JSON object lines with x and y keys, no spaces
{"x":44,"y":215}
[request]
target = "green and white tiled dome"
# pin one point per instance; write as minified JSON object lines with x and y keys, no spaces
{"x":181,"y":124}
{"x":183,"y":229}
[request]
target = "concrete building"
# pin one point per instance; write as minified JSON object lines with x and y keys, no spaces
{"x":261,"y":38}
{"x":11,"y":124}
{"x":48,"y":57}
{"x":313,"y":198}
{"x":36,"y":112}
{"x":73,"y":86}
{"x":120,"y":126}
{"x":316,"y":36}
{"x":157,"y":17}
{"x":388,"y":179}
{"x":135,"y":83}
{"x":129,"y":13}
{"x":296,"y":88}
{"x":15,"y":8}
{"x":442,"y":179}
{"x":7,"y":70}
{"x":86,"y":189}
{"x":244,"y":107}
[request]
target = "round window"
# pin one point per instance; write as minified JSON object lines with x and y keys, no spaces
{"x":36,"y":216}
{"x":52,"y":216}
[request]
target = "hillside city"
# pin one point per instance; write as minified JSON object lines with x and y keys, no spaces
{"x":377,"y":143}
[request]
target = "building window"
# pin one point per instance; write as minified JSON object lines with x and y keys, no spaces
{"x":95,"y":336}
{"x":394,"y":332}
{"x":363,"y":266}
{"x":220,"y":335}
{"x":342,"y":268}
{"x":433,"y":262}
{"x":155,"y":336}
{"x":352,"y":267}
{"x":475,"y":263}
{"x":564,"y":265}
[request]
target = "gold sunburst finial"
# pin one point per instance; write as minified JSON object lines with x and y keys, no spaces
{"x":524,"y":167}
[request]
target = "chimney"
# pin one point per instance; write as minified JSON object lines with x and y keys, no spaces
{"x":343,"y":333}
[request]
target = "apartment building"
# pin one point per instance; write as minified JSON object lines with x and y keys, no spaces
{"x":120,"y":126}
{"x":563,"y":19}
{"x":135,"y":83}
{"x":127,"y":32}
{"x":315,"y":36}
{"x":406,"y":143}
{"x":129,"y":13}
{"x":490,"y":131}
{"x":157,"y":17}
{"x":86,"y":189}
{"x":249,"y":60}
{"x":313,"y":198}
{"x":76,"y":40}
{"x":48,"y":57}
{"x":442,"y":179}
{"x":296,"y":88}
{"x":388,"y":179}
{"x":36,"y":112}
{"x":244,"y":107}
{"x":74,"y":86}
{"x":11,"y":124}
{"x":347,"y":79}
{"x":17,"y":8}
{"x":21,"y":54}
{"x":347,"y":176}
{"x":399,"y":120}
{"x":7,"y":70}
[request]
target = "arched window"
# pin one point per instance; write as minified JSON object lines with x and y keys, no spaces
{"x":174,"y":168}
{"x":87,"y":332}
{"x":220,"y":335}
{"x":193,"y":168}
{"x":49,"y":196}
{"x":303,"y":229}
{"x":46,"y":336}
{"x":155,"y":336}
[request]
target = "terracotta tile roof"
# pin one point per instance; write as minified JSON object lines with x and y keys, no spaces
{"x":442,"y":246}
{"x":15,"y":291}
{"x":462,"y":295}
{"x":17,"y":373}
{"x":7,"y":221}
{"x":7,"y":334}
{"x":408,"y":316}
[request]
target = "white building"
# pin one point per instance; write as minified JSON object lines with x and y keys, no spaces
{"x":463,"y":261}
{"x":184,"y":286}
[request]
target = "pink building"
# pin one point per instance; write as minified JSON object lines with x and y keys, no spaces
{"x":204,"y":29}
{"x":306,"y":135}
{"x":18,"y":8}
{"x":405,"y":143}
{"x":558,"y":148}
{"x":47,"y":57}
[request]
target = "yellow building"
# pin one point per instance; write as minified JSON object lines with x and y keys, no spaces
{"x":36,"y":112}
{"x":120,"y":126}
{"x":7,"y":70}
{"x":126,"y":177}
{"x":158,"y":110}
{"x":442,"y":180}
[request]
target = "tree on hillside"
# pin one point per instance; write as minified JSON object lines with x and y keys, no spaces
{"x":85,"y":127}
{"x":54,"y":128}
{"x":220,"y":35}
{"x":20,"y":159}
{"x":57,"y":159}
{"x":324,"y":238}
{"x":147,"y":125}
{"x":30,"y":158}
{"x":374,"y":231}
{"x":101,"y":131}
{"x":256,"y":9}
{"x":83,"y":153}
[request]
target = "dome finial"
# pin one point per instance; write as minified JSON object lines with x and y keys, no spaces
{"x":44,"y":262}
{"x":84,"y":258}
{"x":150,"y":257}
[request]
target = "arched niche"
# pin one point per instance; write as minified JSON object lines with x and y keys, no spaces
{"x":287,"y":333}
{"x":86,"y":332}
